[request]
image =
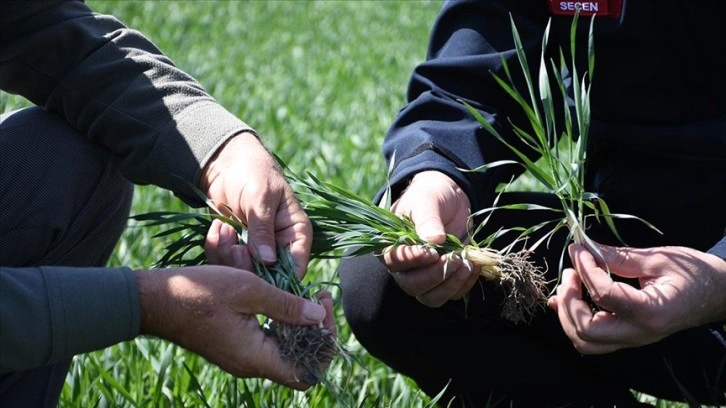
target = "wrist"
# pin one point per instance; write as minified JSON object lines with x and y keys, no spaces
{"x":212,"y":169}
{"x":153,"y":302}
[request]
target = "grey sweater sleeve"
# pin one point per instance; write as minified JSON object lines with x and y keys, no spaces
{"x":113,"y":85}
{"x":47,"y":317}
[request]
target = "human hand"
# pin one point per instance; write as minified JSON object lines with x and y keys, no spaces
{"x":244,"y":176}
{"x":679,"y":288}
{"x":437,"y":206}
{"x":211,"y":311}
{"x":222,"y":247}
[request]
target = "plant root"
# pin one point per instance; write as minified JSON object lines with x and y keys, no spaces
{"x":307,"y":347}
{"x":522,"y":281}
{"x":524,"y":286}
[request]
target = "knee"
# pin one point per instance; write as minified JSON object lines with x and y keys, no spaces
{"x":67,"y":202}
{"x":369,"y":298}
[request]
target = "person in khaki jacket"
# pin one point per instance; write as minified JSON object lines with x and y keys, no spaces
{"x":112,"y":110}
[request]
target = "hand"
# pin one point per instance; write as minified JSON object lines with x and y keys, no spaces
{"x":211,"y":311}
{"x":679,"y":288}
{"x":436,"y":205}
{"x":222,"y":247}
{"x":244,"y":176}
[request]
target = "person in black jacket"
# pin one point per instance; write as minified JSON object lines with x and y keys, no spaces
{"x":657,"y":150}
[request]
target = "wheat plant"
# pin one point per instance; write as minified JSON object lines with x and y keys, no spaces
{"x":561,"y":173}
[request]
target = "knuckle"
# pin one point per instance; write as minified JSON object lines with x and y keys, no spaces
{"x":601,"y":295}
{"x":289,"y":305}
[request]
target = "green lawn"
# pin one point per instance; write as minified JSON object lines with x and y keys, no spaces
{"x":321,"y":81}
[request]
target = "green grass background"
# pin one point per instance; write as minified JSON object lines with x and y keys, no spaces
{"x":321,"y":81}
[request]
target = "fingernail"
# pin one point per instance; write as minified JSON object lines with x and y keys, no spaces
{"x":313,"y":311}
{"x":266,"y":253}
{"x":427,"y":250}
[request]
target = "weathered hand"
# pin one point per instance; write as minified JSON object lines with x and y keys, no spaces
{"x":244,"y":176}
{"x":679,"y":288}
{"x":211,"y":310}
{"x":222,"y":248}
{"x":437,"y":206}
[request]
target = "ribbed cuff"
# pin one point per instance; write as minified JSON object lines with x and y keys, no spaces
{"x":204,"y":127}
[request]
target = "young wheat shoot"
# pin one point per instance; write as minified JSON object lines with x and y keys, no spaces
{"x":343,"y":220}
{"x":560,"y":174}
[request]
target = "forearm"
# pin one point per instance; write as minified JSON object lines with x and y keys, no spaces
{"x":51,"y":313}
{"x":435,"y":131}
{"x":113,"y":84}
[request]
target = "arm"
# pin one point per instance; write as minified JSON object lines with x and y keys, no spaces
{"x":70,"y":310}
{"x":113,"y":85}
{"x":434,"y":131}
{"x":210,"y":310}
{"x":435,"y":136}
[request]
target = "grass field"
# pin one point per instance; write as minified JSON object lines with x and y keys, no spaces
{"x":321,"y":81}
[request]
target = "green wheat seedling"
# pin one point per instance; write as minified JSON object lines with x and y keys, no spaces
{"x":561,"y":173}
{"x":309,"y":347}
{"x":344,"y":222}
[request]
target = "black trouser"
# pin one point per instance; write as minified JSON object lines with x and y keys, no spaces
{"x":479,"y":357}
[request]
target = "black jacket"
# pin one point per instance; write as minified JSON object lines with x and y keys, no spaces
{"x":658,"y":84}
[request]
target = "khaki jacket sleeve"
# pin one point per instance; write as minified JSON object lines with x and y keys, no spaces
{"x":52,"y":313}
{"x":116,"y":87}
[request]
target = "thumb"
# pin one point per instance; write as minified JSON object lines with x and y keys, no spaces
{"x":429,"y":227}
{"x":262,"y":236}
{"x":286,"y":307}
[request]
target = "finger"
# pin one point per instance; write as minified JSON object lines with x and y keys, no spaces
{"x":211,"y":242}
{"x":405,"y":257}
{"x":300,"y":240}
{"x":283,"y":306}
{"x":241,"y":257}
{"x":604,"y":332}
{"x":622,"y":261}
{"x":220,"y":237}
{"x":326,"y":299}
{"x":449,"y":289}
{"x":416,"y":282}
{"x":429,"y":226}
{"x":261,"y":230}
{"x":229,"y":251}
{"x":261,"y":219}
{"x":613,"y":296}
{"x":571,"y":308}
{"x":466,"y":287}
{"x":590,"y":333}
{"x":569,"y":302}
